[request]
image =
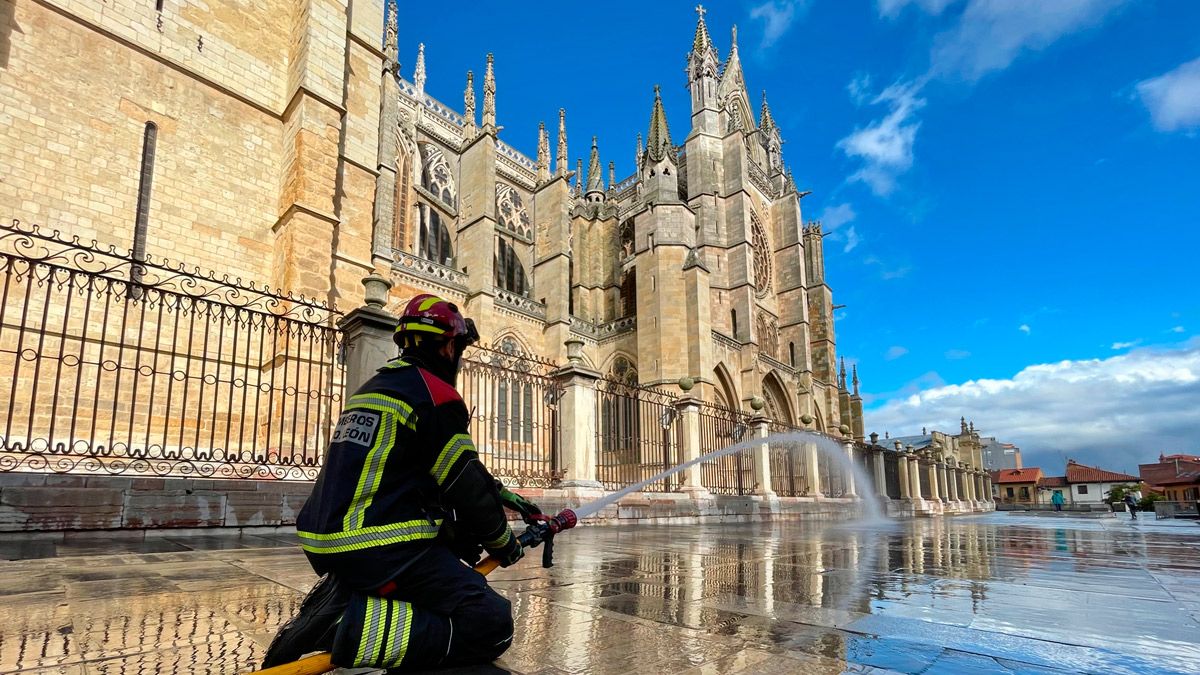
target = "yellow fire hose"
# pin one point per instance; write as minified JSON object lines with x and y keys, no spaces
{"x":537,"y":533}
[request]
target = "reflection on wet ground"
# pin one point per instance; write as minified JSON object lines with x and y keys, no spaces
{"x":987,"y":594}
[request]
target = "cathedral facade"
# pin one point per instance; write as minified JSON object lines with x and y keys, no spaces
{"x":303,"y":159}
{"x":698,"y":265}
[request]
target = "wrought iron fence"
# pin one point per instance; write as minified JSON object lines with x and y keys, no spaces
{"x":731,"y":474}
{"x":637,"y":436}
{"x":113,"y":364}
{"x":514,"y":413}
{"x":789,"y":473}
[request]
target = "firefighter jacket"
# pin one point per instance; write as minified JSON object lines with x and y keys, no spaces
{"x":400,"y":461}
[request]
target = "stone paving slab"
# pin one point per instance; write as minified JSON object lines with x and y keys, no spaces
{"x":1002,"y":593}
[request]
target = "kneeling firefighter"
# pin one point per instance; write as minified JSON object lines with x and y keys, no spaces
{"x":399,"y":512}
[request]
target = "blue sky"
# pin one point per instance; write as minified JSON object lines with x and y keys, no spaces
{"x":1011,"y":185}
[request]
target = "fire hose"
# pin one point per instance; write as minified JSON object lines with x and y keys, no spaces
{"x":538,"y":532}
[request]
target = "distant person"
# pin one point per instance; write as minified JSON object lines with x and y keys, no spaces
{"x":1131,"y":504}
{"x":1057,"y":500}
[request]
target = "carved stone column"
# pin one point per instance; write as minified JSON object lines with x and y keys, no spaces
{"x":762,"y":457}
{"x":368,"y":334}
{"x":577,"y":425}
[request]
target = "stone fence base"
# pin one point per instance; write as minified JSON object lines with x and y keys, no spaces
{"x":64,"y":503}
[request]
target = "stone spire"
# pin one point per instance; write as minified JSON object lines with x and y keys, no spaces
{"x":790,"y":185}
{"x":731,"y":74}
{"x":703,"y":67}
{"x":419,"y":70}
{"x":560,"y":164}
{"x":469,"y":107}
{"x":543,"y":156}
{"x":489,"y":95}
{"x":612,"y":174}
{"x":579,"y":176}
{"x":389,"y":35}
{"x":658,"y":141}
{"x":854,"y":369}
{"x":701,"y":42}
{"x":595,"y":180}
{"x":768,"y":122}
{"x":637,"y":160}
{"x":842,"y":375}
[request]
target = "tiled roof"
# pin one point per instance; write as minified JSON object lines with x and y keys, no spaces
{"x":1081,"y":473}
{"x":1029,"y":475}
{"x":1173,"y":472}
{"x":1053,"y":481}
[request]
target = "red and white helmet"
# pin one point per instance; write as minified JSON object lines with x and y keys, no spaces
{"x":429,"y":315}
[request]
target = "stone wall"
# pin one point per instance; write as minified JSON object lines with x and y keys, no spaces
{"x":63,"y":503}
{"x":49,"y":502}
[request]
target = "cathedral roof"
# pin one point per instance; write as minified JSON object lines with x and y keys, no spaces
{"x":658,"y":142}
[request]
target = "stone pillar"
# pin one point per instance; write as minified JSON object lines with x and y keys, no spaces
{"x":762,"y":457}
{"x":577,"y":424}
{"x":943,"y":488}
{"x":934,"y":492}
{"x":850,"y":487}
{"x":688,"y":409}
{"x":914,"y":473}
{"x":905,"y":484}
{"x":368,"y":334}
{"x":880,"y":474}
{"x":811,"y":470}
{"x":951,"y":472}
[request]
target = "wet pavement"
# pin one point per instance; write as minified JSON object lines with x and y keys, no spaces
{"x":985,"y":594}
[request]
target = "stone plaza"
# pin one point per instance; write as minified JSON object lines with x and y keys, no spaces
{"x":969,"y":594}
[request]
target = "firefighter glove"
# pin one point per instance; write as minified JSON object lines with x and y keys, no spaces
{"x":507,"y":550}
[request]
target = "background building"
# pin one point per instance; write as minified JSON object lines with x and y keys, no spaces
{"x":1176,"y":476}
{"x":998,"y":455}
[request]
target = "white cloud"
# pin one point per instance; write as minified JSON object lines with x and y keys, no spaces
{"x":833,"y":217}
{"x":890,"y":9}
{"x":777,"y":17}
{"x":860,"y":88}
{"x":1177,"y":329}
{"x":991,"y":34}
{"x":957,"y":354}
{"x":1126,"y":345}
{"x":1024,"y":328}
{"x":1173,"y":98}
{"x":886,"y":145}
{"x":1117,"y":411}
{"x":895,"y":352}
{"x":852,"y":240}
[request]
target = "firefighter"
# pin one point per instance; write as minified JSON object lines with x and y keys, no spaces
{"x":399,"y":512}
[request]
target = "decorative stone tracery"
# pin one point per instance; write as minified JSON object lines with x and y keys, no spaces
{"x":437,"y":176}
{"x":511,"y":214}
{"x":762,"y":257}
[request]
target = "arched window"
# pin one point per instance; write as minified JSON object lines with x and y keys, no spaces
{"x":619,"y":420}
{"x":514,"y":401}
{"x":792,"y":354}
{"x":509,"y":272}
{"x":433,"y":238}
{"x":510,"y":211}
{"x":629,"y":294}
{"x":436,"y":176}
{"x":733,"y":323}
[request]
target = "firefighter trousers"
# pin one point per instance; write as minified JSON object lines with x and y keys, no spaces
{"x":436,"y":612}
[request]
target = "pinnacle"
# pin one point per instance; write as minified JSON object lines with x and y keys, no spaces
{"x":658,"y":142}
{"x":701,"y":42}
